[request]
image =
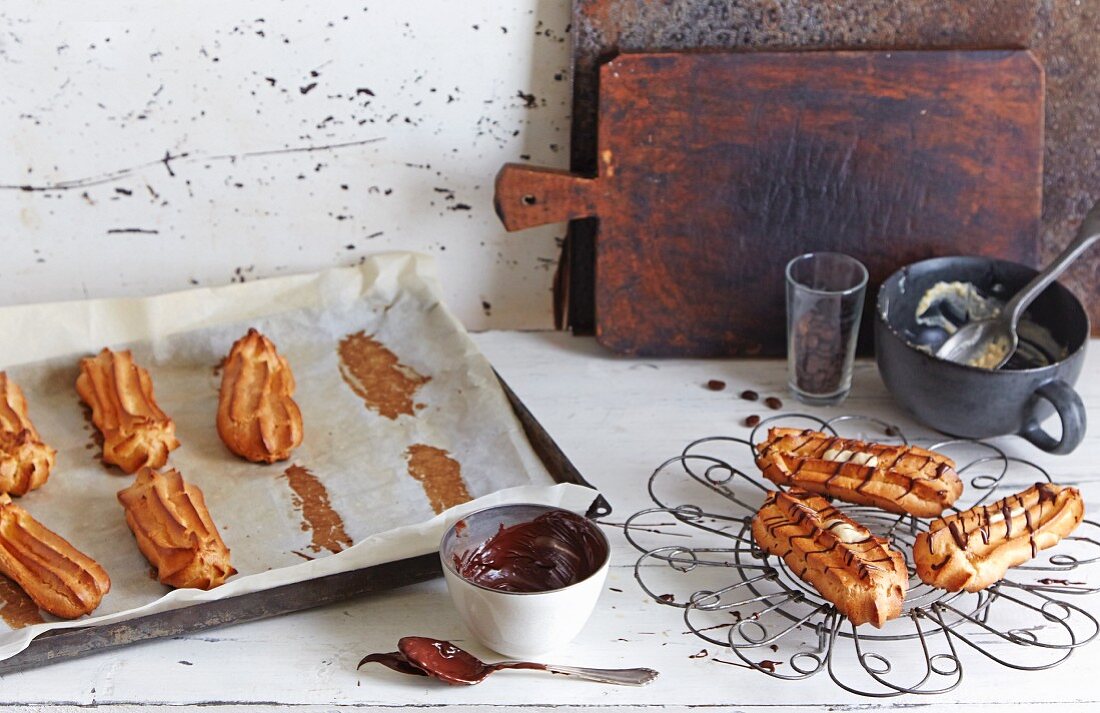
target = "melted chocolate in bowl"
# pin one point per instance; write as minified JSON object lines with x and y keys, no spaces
{"x":555,"y":550}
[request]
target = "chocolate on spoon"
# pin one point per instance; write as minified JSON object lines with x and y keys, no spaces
{"x":393,"y":660}
{"x":442,"y":660}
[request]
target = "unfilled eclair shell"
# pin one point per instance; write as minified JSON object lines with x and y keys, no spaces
{"x":899,"y":479}
{"x":257,"y":416}
{"x":974,"y":549}
{"x":174,"y":531}
{"x":859,"y":573}
{"x":25,"y":461}
{"x":58,"y":577}
{"x":136,"y":433}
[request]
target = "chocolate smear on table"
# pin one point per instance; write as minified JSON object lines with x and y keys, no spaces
{"x":766,"y":665}
{"x":439,"y":474}
{"x":378,"y":377}
{"x":554,"y":550}
{"x":310,"y":498}
{"x":17,"y":609}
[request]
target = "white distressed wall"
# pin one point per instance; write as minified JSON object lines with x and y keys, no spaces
{"x":149,"y":146}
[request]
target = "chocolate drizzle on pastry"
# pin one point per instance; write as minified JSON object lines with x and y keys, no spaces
{"x":986,"y":540}
{"x":858,"y":572}
{"x":899,"y":479}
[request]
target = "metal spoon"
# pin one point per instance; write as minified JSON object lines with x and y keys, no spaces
{"x":974,"y":343}
{"x":421,"y":656}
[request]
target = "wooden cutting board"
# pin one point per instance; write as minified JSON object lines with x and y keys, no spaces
{"x":716,"y":168}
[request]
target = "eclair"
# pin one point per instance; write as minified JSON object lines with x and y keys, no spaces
{"x":899,"y":479}
{"x":864,"y":578}
{"x":136,"y":433}
{"x":25,"y":461}
{"x":975,"y":548}
{"x":257,"y":417}
{"x":58,"y":577}
{"x":174,"y":531}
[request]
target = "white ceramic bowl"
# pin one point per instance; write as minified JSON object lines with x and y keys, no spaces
{"x":517,"y":624}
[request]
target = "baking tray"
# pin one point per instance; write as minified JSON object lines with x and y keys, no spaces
{"x":64,"y":644}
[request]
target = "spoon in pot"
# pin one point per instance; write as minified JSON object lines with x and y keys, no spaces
{"x":989,"y":343}
{"x":421,"y":656}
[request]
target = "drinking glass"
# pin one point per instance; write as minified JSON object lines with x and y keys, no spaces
{"x":824,"y":304}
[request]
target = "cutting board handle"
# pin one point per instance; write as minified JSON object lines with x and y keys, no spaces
{"x":526,"y":196}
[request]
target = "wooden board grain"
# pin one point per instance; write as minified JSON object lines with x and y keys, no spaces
{"x":714,"y":169}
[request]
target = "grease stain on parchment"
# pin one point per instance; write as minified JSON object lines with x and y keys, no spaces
{"x":16,"y":608}
{"x":439,"y":474}
{"x":310,"y":498}
{"x":378,"y":377}
{"x":96,"y":439}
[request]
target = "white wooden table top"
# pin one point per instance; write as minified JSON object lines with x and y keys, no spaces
{"x":617,"y":419}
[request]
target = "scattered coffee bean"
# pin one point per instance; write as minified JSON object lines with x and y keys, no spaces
{"x":749,"y":395}
{"x":773,"y":403}
{"x":752,"y":420}
{"x":716,"y":385}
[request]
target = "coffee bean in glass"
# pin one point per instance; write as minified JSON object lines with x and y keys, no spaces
{"x":824,"y":303}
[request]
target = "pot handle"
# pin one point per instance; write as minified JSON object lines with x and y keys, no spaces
{"x":1070,"y":410}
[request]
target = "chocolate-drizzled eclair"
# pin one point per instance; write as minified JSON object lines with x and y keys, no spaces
{"x":900,"y":479}
{"x":975,"y":548}
{"x":859,"y":573}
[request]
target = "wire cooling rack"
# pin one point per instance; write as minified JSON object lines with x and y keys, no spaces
{"x":698,"y":554}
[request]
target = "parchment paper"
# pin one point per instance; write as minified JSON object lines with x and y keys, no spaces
{"x":359,"y":455}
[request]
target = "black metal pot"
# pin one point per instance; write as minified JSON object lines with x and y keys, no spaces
{"x":979,"y":403}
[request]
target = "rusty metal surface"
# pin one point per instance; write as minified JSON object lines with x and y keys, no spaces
{"x":1066,"y":41}
{"x":1062,"y":33}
